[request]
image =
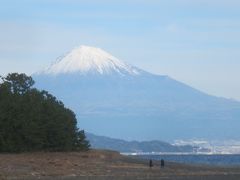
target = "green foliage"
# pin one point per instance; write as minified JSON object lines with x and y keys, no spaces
{"x":33,"y":120}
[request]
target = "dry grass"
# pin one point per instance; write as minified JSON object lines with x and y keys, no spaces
{"x":97,"y":164}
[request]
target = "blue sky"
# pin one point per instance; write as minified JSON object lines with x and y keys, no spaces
{"x":194,"y":41}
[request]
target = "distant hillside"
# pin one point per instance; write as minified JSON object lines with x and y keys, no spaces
{"x":102,"y":142}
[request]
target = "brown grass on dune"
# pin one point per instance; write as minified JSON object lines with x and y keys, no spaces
{"x":97,"y":164}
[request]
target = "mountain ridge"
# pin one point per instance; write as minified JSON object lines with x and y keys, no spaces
{"x":102,"y":142}
{"x":143,"y":107}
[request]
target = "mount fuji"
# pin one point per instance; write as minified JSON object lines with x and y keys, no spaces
{"x":115,"y":99}
{"x":90,"y":60}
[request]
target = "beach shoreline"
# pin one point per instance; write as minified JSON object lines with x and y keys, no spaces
{"x":103,"y":164}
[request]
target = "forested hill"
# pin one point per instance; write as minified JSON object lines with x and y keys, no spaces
{"x":102,"y":142}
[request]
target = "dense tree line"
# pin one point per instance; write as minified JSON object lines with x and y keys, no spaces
{"x":33,"y":120}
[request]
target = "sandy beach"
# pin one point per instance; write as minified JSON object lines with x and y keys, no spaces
{"x":101,"y":165}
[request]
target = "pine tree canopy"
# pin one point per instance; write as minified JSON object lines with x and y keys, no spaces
{"x":33,"y":120}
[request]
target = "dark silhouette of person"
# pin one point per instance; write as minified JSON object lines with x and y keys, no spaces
{"x":162,"y":163}
{"x":150,"y":163}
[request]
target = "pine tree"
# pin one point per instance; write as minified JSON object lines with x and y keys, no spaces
{"x":33,"y":120}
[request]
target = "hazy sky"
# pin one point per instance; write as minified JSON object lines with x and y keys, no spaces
{"x":194,"y":41}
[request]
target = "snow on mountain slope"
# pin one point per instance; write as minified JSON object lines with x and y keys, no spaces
{"x":85,"y":59}
{"x":114,"y":99}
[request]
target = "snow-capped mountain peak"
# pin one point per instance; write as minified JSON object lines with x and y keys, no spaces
{"x":85,"y":59}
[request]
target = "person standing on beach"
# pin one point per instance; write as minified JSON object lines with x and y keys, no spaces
{"x":150,"y":163}
{"x":162,"y":163}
